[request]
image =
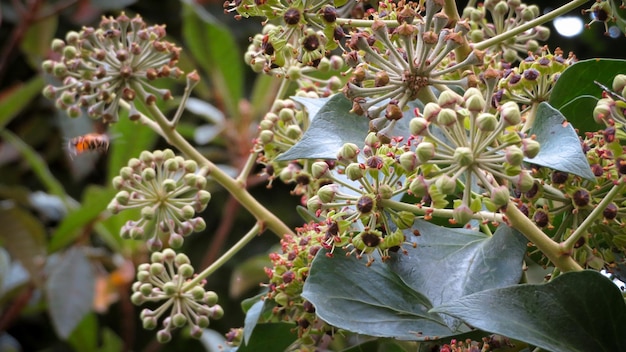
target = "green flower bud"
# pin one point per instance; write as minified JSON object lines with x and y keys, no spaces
{"x":385,"y":191}
{"x":475,"y":103}
{"x":449,"y":99}
{"x":418,"y":186}
{"x":59,"y":70}
{"x":445,"y":184}
{"x":348,"y":152}
{"x":199,"y":224}
{"x":314,"y":204}
{"x":169,"y":255}
{"x":149,"y":323}
{"x":462,"y":214}
{"x":327,"y":193}
{"x":509,"y":111}
{"x":501,"y":8}
{"x":197,"y":293}
{"x":602,"y":111}
{"x":486,"y":122}
{"x":169,"y":288}
{"x":619,"y":83}
{"x":524,"y":181}
{"x":404,"y":220}
{"x":156,"y":269}
{"x":530,"y":147}
{"x":514,"y":155}
{"x":126,"y":173}
{"x":169,"y":185}
{"x":186,"y":270}
{"x":148,"y":174}
{"x":446,"y":117}
{"x":146,"y":289}
{"x":217,"y":312}
{"x":294,"y":132}
{"x":122,"y":197}
{"x":425,"y":151}
{"x":431,"y":110}
{"x":202,"y":321}
{"x":463,"y":156}
{"x":148,"y":213}
{"x":320,"y":169}
{"x":164,"y":336}
{"x":354,"y":171}
{"x":408,"y":161}
{"x":57,"y":45}
{"x":143,"y":275}
{"x":49,"y":92}
{"x":418,"y":126}
{"x":500,"y":196}
{"x":187,"y":212}
{"x":210,"y":298}
{"x":137,"y":298}
{"x":510,"y":55}
{"x":176,"y":240}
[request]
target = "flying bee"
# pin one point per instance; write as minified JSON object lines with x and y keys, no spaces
{"x":90,"y":142}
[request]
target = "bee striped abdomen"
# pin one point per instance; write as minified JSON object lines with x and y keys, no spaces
{"x":89,"y":142}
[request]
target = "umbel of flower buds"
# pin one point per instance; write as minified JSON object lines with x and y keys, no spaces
{"x":166,"y":280}
{"x":169,"y":190}
{"x":117,"y":61}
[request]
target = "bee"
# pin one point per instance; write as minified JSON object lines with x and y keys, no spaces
{"x":89,"y":142}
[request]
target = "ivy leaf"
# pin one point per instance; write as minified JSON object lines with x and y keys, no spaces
{"x":393,"y":299}
{"x":578,"y":311}
{"x":560,"y":145}
{"x":70,"y":290}
{"x":333,"y":125}
{"x":575,"y":94}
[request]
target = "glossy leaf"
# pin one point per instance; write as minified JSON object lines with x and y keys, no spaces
{"x":23,"y":236}
{"x":18,"y":98}
{"x":560,"y":145}
{"x":447,"y":264}
{"x":215,"y":51}
{"x":85,"y":336}
{"x":69,"y":289}
{"x":575,"y":94}
{"x":270,"y":337}
{"x":577,"y":311}
{"x":128,"y":140}
{"x":95,"y":201}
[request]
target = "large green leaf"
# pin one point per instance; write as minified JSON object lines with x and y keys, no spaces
{"x":578,"y":311}
{"x":85,"y":336}
{"x":560,"y":145}
{"x":393,"y":299}
{"x":24,"y":238}
{"x":575,"y":94}
{"x":95,"y":201}
{"x":19,"y":96}
{"x":216,"y":51}
{"x":69,"y":289}
{"x":270,"y":337}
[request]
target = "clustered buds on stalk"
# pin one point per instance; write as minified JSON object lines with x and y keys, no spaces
{"x":494,"y":17}
{"x":118,"y":61}
{"x":165,"y":281}
{"x":611,"y":109}
{"x":169,"y":190}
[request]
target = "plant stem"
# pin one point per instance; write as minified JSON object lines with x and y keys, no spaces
{"x":554,"y":251}
{"x":528,"y":25}
{"x":443,"y":213}
{"x":236,"y":189}
{"x":254,"y":231}
{"x":618,"y":188}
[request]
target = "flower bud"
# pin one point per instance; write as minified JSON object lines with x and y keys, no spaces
{"x":408,"y":161}
{"x":348,"y":152}
{"x":169,"y":185}
{"x":327,"y":193}
{"x":486,"y":122}
{"x":500,"y":196}
{"x":431,"y":110}
{"x":148,"y":213}
{"x":418,"y":186}
{"x":449,"y":99}
{"x":463,"y":156}
{"x":602,"y":111}
{"x":462,"y":214}
{"x":418,"y":126}
{"x":314,"y":204}
{"x":137,"y":298}
{"x":425,"y":151}
{"x":122,"y":197}
{"x":187,"y":212}
{"x":164,"y":336}
{"x":514,"y":155}
{"x":445,"y":184}
{"x":186,"y":270}
{"x":149,"y":323}
{"x":446,"y":117}
{"x":509,"y":111}
{"x":475,"y":103}
{"x":197,"y":293}
{"x":530,"y":147}
{"x":523,"y":181}
{"x":354,"y":171}
{"x":320,"y":169}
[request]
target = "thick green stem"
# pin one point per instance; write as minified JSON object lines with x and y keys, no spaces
{"x":528,"y":25}
{"x":236,"y":189}
{"x":617,"y":189}
{"x":440,"y":213}
{"x":561,"y":258}
{"x":254,"y":231}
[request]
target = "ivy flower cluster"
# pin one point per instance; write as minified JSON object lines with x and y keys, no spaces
{"x":503,"y":17}
{"x":101,"y":67}
{"x":532,"y":80}
{"x":169,"y":190}
{"x":289,"y":270}
{"x":165,"y":280}
{"x":611,"y":109}
{"x":390,"y":70}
